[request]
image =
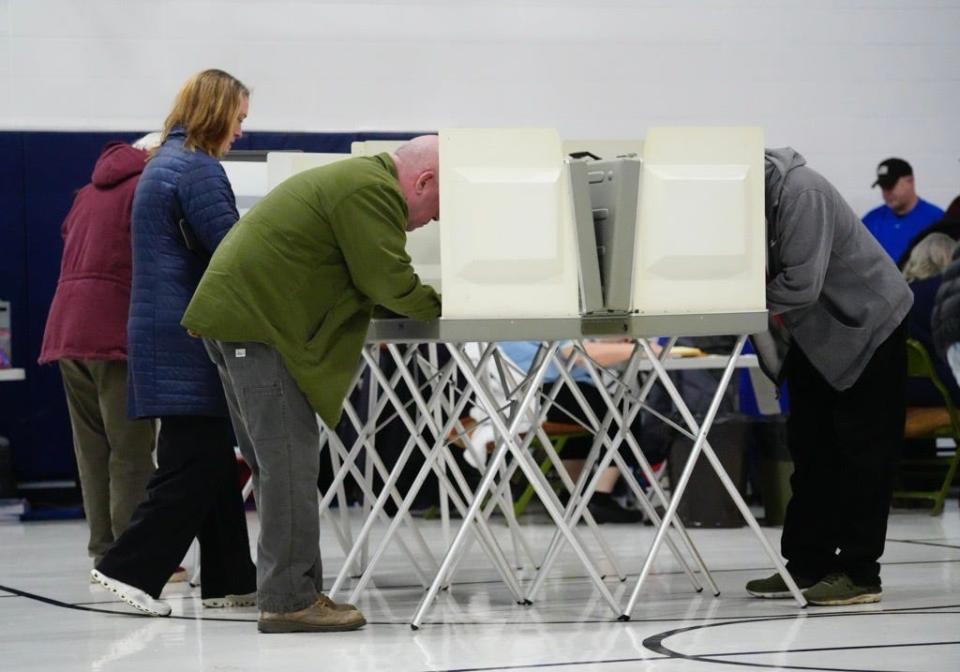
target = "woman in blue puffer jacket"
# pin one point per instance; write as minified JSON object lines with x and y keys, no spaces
{"x":182,"y":208}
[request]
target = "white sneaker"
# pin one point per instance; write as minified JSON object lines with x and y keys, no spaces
{"x":231,"y":601}
{"x":133,"y":596}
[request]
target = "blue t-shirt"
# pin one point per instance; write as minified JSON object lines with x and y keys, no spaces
{"x":522,"y":353}
{"x":894,"y":232}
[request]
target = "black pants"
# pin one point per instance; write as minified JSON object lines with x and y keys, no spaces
{"x":194,"y":493}
{"x":566,"y":409}
{"x":845,"y":449}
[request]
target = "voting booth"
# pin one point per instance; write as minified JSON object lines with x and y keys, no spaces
{"x":282,"y":165}
{"x":670,"y":224}
{"x":507,"y":238}
{"x":247,"y":173}
{"x":254,"y":173}
{"x":677,"y":227}
{"x":700,"y":222}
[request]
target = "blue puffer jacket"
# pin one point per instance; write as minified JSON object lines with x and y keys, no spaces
{"x":170,"y":372}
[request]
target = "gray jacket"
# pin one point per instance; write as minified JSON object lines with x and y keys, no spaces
{"x":837,"y":292}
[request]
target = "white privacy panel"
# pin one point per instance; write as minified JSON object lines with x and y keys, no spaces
{"x":281,"y":165}
{"x":248,"y":180}
{"x":700,"y":238}
{"x":371,"y":147}
{"x":507,"y":238}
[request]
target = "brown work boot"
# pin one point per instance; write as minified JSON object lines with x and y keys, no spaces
{"x":327,"y":602}
{"x":324,"y":615}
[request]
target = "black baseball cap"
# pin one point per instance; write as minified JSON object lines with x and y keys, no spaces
{"x":891,"y":170}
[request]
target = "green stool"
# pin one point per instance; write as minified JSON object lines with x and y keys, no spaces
{"x":558,"y":433}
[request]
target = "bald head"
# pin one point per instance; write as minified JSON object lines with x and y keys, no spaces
{"x":418,"y":172}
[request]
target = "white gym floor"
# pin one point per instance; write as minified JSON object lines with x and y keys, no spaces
{"x":51,"y":618}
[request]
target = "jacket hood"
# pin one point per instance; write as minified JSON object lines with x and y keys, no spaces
{"x":118,"y":162}
{"x":778,"y":163}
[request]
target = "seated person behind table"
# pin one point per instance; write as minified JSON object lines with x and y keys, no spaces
{"x":603,"y":507}
{"x":923,"y":271}
{"x":949,"y":225}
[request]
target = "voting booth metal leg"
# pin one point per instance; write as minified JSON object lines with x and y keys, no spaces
{"x":531,"y":469}
{"x":336,"y":451}
{"x":388,"y":490}
{"x":371,"y":446}
{"x":500,"y":498}
{"x":427,"y":411}
{"x":579,"y":495}
{"x":324,"y":509}
{"x":434,"y":361}
{"x":364,"y":432}
{"x":578,"y":505}
{"x":548,"y":402}
{"x":485,"y":483}
{"x":507,"y":434}
{"x":501,"y":488}
{"x":701,"y":445}
{"x":486,"y":537}
{"x":376,"y":462}
{"x":504,"y":496}
{"x":367,"y":490}
{"x":335,"y":447}
{"x":625,"y":421}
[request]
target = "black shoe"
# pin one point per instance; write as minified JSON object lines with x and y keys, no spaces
{"x":775,"y":587}
{"x":605,"y":509}
{"x":839,"y":589}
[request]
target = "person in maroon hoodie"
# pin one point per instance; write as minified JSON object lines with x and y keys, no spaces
{"x":86,"y":334}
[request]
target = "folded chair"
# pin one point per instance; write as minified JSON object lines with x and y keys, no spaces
{"x":929,"y":423}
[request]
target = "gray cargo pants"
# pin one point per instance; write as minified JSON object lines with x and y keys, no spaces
{"x":278,"y":436}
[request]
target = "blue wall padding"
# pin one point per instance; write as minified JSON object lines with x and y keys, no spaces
{"x":39,"y":174}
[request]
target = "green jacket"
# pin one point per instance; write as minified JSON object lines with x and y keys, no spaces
{"x":303,"y":270}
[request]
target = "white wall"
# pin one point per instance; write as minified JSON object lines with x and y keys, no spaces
{"x":846,"y":82}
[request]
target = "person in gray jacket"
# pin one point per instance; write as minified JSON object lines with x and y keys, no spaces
{"x":842,"y":302}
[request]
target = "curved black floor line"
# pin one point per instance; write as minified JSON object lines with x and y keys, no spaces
{"x":655,"y":643}
{"x":83,"y":607}
{"x":924,"y":543}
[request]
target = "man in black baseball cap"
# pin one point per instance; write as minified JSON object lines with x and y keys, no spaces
{"x":904,"y":214}
{"x":890,"y":171}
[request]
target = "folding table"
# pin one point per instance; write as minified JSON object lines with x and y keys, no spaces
{"x":440,"y":405}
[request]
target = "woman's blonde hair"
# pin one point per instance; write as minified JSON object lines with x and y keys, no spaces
{"x":929,"y":257}
{"x":206,"y":107}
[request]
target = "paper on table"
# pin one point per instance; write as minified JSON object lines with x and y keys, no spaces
{"x":686,"y":351}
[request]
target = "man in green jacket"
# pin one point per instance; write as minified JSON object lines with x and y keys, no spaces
{"x":284,"y":308}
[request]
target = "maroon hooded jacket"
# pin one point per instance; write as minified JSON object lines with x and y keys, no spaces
{"x":88,"y":317}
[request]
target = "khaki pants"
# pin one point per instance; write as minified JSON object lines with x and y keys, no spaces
{"x":114,"y":453}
